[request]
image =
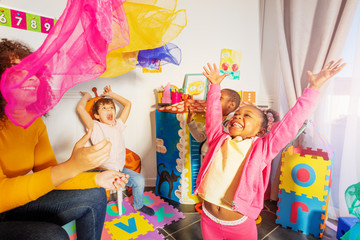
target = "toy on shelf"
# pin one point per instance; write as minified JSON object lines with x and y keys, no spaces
{"x":160,"y":93}
{"x":176,"y":97}
{"x":166,"y":98}
{"x":304,"y":189}
{"x":168,"y":95}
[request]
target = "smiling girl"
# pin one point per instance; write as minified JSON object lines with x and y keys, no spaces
{"x":235,"y":171}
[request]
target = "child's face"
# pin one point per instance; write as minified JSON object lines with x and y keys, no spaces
{"x":246,"y":122}
{"x":106,"y":113}
{"x":226,"y":103}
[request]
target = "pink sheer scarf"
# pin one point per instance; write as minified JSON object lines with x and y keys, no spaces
{"x":74,"y":51}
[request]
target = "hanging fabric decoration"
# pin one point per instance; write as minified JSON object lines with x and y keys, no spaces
{"x":154,"y":58}
{"x":152,"y":24}
{"x":74,"y":51}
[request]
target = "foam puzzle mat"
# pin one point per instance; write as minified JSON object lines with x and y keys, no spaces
{"x":133,"y":224}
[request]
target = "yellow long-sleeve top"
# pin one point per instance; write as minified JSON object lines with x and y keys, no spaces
{"x":25,"y":150}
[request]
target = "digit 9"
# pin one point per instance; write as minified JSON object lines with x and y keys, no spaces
{"x":47,"y":26}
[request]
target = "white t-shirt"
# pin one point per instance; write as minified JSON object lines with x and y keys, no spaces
{"x":116,"y":137}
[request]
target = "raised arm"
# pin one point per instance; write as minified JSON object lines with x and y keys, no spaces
{"x":213,"y":74}
{"x":84,"y":115}
{"x":123,"y":101}
{"x":330,"y":69}
{"x":213,"y":104}
{"x":284,"y":131}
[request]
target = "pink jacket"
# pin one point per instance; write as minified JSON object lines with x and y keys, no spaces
{"x":249,"y":196}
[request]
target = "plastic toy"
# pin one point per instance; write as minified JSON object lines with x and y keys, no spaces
{"x":304,"y":189}
{"x":349,"y":228}
{"x":345,"y":224}
{"x":166,"y":98}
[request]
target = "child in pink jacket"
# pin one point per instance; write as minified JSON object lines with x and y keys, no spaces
{"x":235,"y":172}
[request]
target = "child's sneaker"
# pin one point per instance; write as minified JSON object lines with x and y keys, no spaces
{"x":147,"y":210}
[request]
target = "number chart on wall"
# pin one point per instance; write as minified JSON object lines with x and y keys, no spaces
{"x":26,"y":21}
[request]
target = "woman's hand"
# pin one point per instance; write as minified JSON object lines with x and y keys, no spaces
{"x":112,"y":180}
{"x":330,"y":69}
{"x":82,"y":159}
{"x":213,"y":74}
{"x":86,"y":158}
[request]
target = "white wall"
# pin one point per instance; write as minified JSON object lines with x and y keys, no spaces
{"x":211,"y":26}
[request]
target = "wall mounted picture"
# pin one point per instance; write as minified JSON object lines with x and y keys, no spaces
{"x":230,"y":63}
{"x":196,"y":85}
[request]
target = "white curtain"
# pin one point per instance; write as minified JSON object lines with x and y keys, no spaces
{"x":311,"y":33}
{"x":338,"y":118}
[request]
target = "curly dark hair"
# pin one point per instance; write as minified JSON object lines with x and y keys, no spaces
{"x":234,"y":97}
{"x":269,"y":117}
{"x":10,"y":50}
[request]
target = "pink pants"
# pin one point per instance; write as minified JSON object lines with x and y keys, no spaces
{"x":212,"y":230}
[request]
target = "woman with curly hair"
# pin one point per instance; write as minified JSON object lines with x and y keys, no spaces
{"x":41,"y":194}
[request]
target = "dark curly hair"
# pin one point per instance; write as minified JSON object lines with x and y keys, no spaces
{"x":233,"y":96}
{"x":268,"y":116}
{"x":10,"y":50}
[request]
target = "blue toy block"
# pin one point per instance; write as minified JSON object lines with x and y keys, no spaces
{"x":301,"y":213}
{"x":344,"y":225}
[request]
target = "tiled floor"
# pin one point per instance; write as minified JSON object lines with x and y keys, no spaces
{"x":189,"y":227}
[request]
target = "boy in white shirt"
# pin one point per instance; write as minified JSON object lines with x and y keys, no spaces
{"x":106,"y":125}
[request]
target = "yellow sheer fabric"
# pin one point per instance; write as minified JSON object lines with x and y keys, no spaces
{"x":152,"y":24}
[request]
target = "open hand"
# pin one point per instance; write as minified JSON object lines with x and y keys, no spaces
{"x":107,"y":91}
{"x":86,"y":158}
{"x":330,"y":69}
{"x":213,"y":74}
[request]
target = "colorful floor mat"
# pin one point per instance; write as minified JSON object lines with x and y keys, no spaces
{"x":133,"y":224}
